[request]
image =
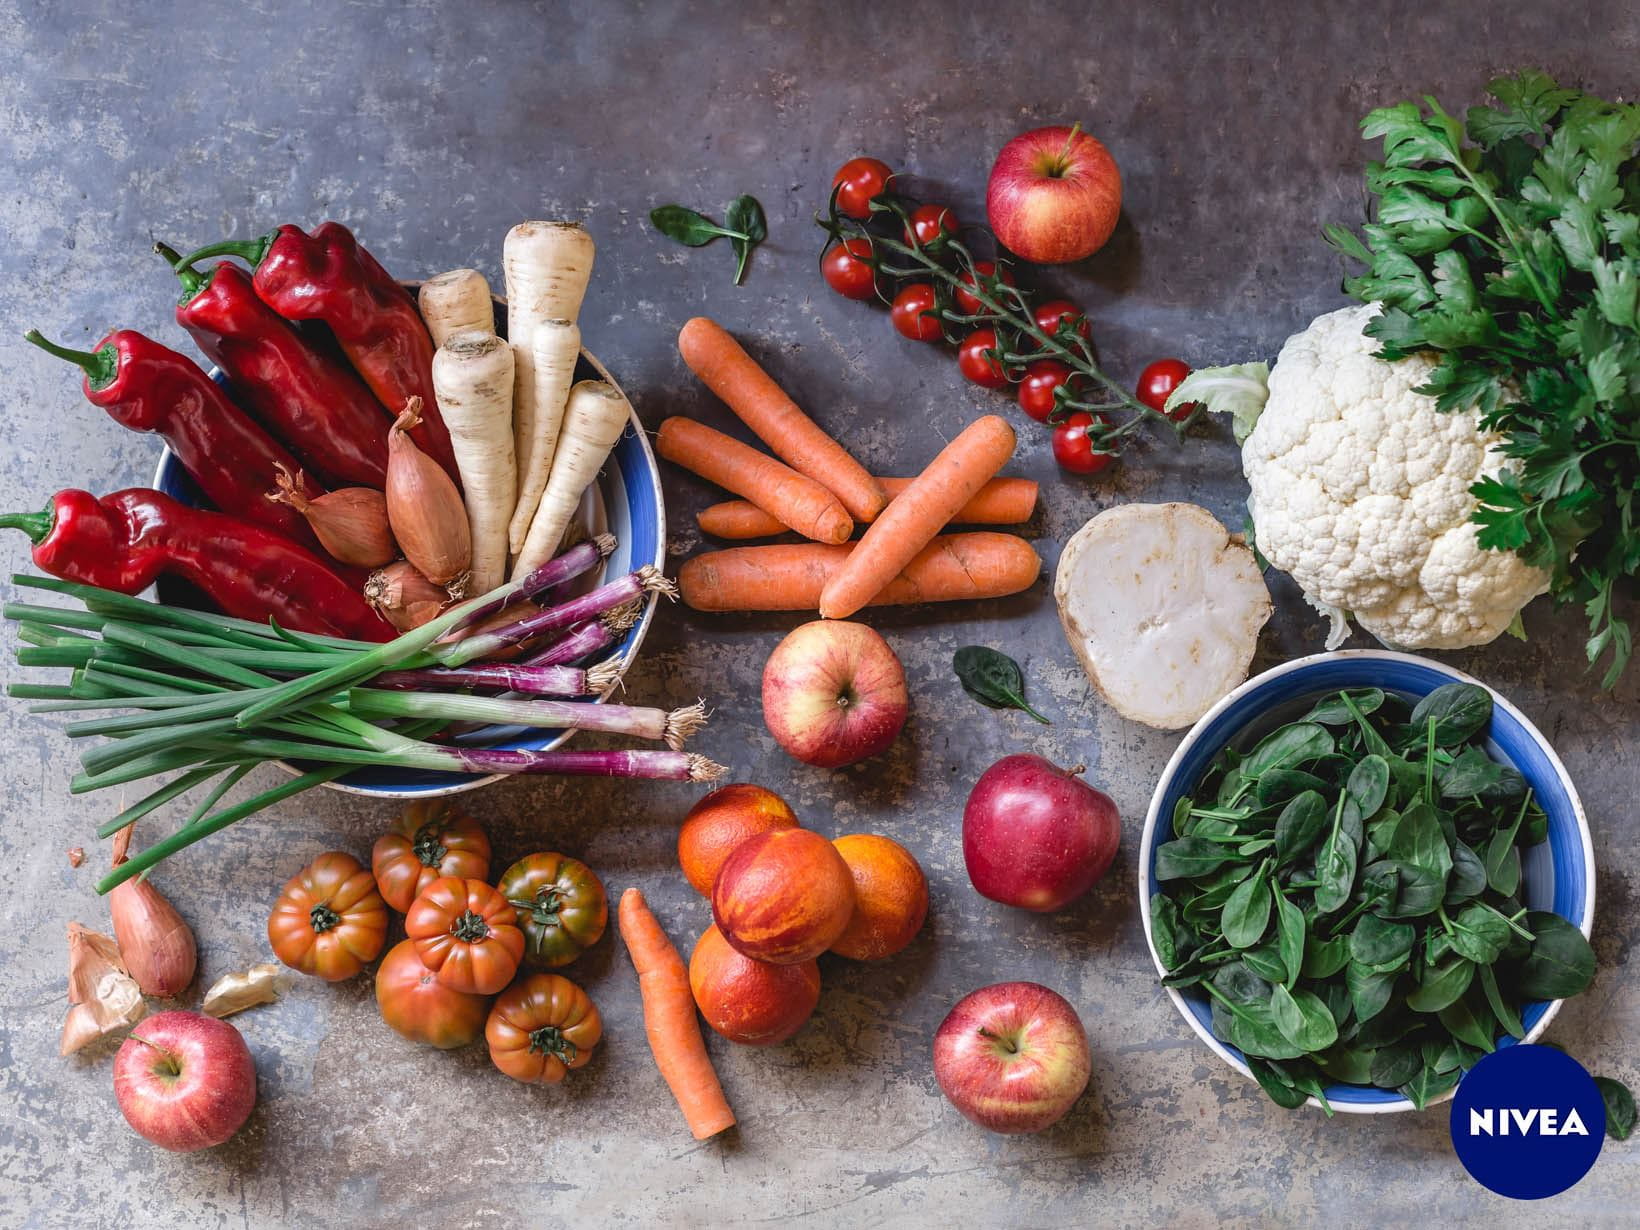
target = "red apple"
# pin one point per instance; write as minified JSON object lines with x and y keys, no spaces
{"x":1054,"y":195}
{"x":1035,"y":835}
{"x":834,"y":693}
{"x":1012,"y":1057}
{"x":185,"y":1081}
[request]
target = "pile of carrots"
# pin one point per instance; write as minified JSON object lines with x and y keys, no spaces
{"x":814,"y":487}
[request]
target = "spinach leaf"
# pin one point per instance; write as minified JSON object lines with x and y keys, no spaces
{"x":1504,"y":1011}
{"x":1332,"y":711}
{"x":1290,"y":935}
{"x":1560,"y":963}
{"x":1427,"y":1086}
{"x":1348,"y":1065}
{"x":1279,"y":785}
{"x":1298,"y":826}
{"x":1265,"y":961}
{"x":992,"y":678}
{"x":1468,"y":877}
{"x":1184,"y":857}
{"x":1470,"y":1020}
{"x":1287,"y":748}
{"x":1460,"y":710}
{"x":1247,"y":912}
{"x":1369,"y":990}
{"x":1474,"y":774}
{"x":1479,"y":933}
{"x":1302,"y":1018}
{"x":1368,"y":784}
{"x":1249,"y":1027}
{"x":1324,"y":958}
{"x":1442,"y":985}
{"x":1336,"y":864}
{"x":1165,"y":928}
{"x":1381,"y":944}
{"x":746,"y":216}
{"x":1620,"y":1112}
{"x":1420,"y":841}
{"x":1277,"y":1085}
{"x":1395,"y":1065}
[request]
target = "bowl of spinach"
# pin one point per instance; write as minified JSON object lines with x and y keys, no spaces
{"x":1365,"y":870}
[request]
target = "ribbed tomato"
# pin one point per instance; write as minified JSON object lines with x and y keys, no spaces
{"x":467,"y":934}
{"x":329,"y":919}
{"x":429,"y":839}
{"x":562,"y":907}
{"x":417,"y":1006}
{"x":541,"y":1027}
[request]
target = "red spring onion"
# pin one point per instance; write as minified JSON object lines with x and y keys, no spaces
{"x":640,"y":722}
{"x":586,"y":639}
{"x":646,"y":580}
{"x":533,"y":680}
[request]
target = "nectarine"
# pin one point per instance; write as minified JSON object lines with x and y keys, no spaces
{"x":783,"y":896}
{"x":749,"y":1001}
{"x":720,"y":822}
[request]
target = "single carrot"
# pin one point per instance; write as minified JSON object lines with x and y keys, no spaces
{"x":918,"y":513}
{"x":791,"y":498}
{"x":791,"y":576}
{"x":1002,"y":501}
{"x":748,"y":390}
{"x":669,"y":1020}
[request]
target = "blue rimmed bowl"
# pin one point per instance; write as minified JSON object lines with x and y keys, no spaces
{"x":1557,"y":875}
{"x":626,"y":501}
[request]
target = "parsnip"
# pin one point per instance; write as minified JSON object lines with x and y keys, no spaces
{"x":594,"y":418}
{"x":456,"y":302}
{"x":473,"y":379}
{"x":547,"y":266}
{"x":554,"y":349}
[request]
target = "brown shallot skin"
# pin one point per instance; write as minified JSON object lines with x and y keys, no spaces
{"x":156,"y":945}
{"x":403,"y":597}
{"x":350,"y":523}
{"x":424,"y":507}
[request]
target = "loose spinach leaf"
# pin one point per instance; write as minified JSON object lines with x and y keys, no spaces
{"x":1560,"y":963}
{"x":1620,"y":1111}
{"x":745,"y":227}
{"x":1460,"y":710}
{"x":746,"y":216}
{"x":992,"y":678}
{"x":1265,"y":961}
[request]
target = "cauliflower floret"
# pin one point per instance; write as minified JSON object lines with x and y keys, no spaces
{"x":1360,"y":490}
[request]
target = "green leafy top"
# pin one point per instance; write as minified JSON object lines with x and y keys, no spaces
{"x":1509,"y":244}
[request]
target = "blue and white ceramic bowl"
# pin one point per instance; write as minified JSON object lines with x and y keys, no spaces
{"x":626,"y":502}
{"x":1557,"y":875}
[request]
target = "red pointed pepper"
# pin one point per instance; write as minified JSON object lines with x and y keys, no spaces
{"x":329,"y":277}
{"x":149,"y":387}
{"x":125,"y":541}
{"x":306,"y":397}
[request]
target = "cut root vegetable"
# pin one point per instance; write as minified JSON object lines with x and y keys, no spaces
{"x":748,"y":390}
{"x":1162,"y":608}
{"x":790,"y":577}
{"x":538,"y":415}
{"x":918,"y":513}
{"x":794,"y":499}
{"x":473,"y":380}
{"x":1002,"y":501}
{"x":457,"y":302}
{"x":594,"y":417}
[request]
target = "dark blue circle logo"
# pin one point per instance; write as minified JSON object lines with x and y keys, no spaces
{"x":1528,"y":1122}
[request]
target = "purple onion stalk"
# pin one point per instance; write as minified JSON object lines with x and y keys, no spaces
{"x":654,"y":765}
{"x":582,"y":557}
{"x":549,"y":679}
{"x":646,"y":580}
{"x":672,"y":726}
{"x":587,"y":638}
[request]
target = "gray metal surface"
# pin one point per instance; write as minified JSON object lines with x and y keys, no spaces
{"x":431,"y":128}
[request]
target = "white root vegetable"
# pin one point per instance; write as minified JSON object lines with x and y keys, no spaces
{"x":554,"y":348}
{"x":457,"y":302}
{"x":1162,"y":608}
{"x":473,"y":380}
{"x":547,"y":267}
{"x":594,"y":418}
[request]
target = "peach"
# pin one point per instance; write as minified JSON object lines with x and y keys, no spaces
{"x":890,"y":897}
{"x":747,"y":1001}
{"x":783,"y":896}
{"x":720,"y":822}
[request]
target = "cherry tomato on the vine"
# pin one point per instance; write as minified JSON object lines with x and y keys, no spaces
{"x":1073,"y":450}
{"x":856,"y":182}
{"x":1049,"y":315}
{"x":847,"y":269}
{"x":975,"y":360}
{"x":1156,"y":385}
{"x":912,"y":313}
{"x":965,"y":302}
{"x":1036,"y":389}
{"x":929,"y":224}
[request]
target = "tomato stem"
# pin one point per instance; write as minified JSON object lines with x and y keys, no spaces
{"x":470,"y":928}
{"x":323,"y":918}
{"x":550,"y":1040}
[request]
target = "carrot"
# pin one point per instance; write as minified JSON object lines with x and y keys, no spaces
{"x":1002,"y":501}
{"x":790,"y":577}
{"x":763,"y":406}
{"x":669,"y":1020}
{"x":923,"y":509}
{"x":791,"y":498}
{"x":595,"y":416}
{"x":456,"y":302}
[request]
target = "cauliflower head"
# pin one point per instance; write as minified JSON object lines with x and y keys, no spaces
{"x":1360,"y":490}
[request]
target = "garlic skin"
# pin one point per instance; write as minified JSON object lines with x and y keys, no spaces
{"x":350,"y":523}
{"x":156,"y":945}
{"x":424,"y":507}
{"x":231,"y":993}
{"x":403,"y":597}
{"x":104,"y":998}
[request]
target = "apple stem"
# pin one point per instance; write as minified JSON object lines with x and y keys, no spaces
{"x":173,"y":1068}
{"x":1065,"y":154}
{"x":1076,"y":770}
{"x":1013,"y":1047}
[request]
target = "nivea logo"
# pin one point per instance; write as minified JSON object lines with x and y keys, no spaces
{"x":1540,"y":1121}
{"x":1527,"y":1122}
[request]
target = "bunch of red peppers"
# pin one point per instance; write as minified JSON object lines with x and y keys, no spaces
{"x":294,"y":403}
